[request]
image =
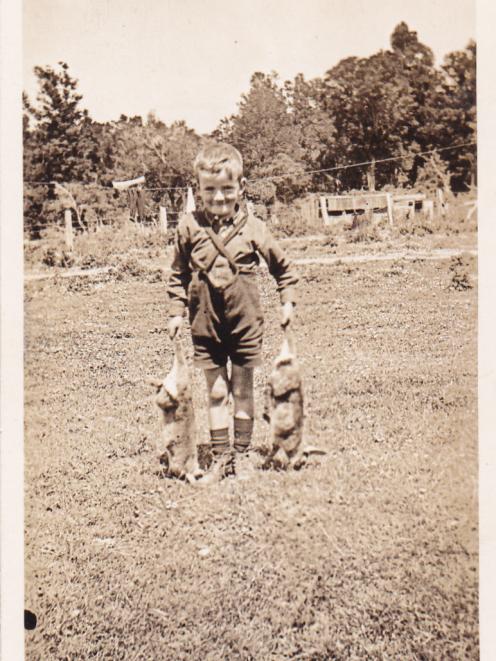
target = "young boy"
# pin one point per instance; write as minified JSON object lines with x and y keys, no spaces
{"x":216,"y":253}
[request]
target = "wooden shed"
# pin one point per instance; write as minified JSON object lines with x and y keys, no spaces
{"x":334,"y":207}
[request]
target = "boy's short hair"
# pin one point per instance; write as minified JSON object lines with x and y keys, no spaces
{"x":219,"y":156}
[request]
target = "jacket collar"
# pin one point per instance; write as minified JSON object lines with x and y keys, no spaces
{"x":240,"y":212}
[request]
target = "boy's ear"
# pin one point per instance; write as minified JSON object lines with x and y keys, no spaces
{"x":242,"y":184}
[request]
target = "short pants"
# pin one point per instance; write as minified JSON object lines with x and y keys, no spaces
{"x":226,"y":323}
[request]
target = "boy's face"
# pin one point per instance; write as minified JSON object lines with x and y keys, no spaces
{"x":220,"y":192}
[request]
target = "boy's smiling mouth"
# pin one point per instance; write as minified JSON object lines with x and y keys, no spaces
{"x":219,"y":193}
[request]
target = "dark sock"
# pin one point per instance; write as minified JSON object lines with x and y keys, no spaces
{"x":219,"y":440}
{"x":243,"y":431}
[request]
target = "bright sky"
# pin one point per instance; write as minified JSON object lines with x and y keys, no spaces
{"x":192,"y":59}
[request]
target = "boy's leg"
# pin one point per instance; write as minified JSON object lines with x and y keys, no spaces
{"x":218,"y":408}
{"x":244,"y":408}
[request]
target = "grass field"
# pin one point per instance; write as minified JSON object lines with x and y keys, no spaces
{"x":369,"y":553}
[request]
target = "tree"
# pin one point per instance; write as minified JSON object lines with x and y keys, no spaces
{"x":405,"y":43}
{"x":372,"y":109}
{"x":396,"y":103}
{"x":60,"y":143}
{"x":313,"y":128}
{"x":461,"y":85}
{"x":266,"y":132}
{"x":263,"y":128}
{"x":286,"y":175}
{"x":170,"y":152}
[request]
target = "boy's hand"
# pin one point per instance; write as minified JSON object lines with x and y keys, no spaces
{"x":287,"y":314}
{"x":174,"y":326}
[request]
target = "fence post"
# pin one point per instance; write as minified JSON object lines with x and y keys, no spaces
{"x":440,"y":202}
{"x":163,"y":219}
{"x":69,"y":237}
{"x":371,"y":176}
{"x":428,"y":207}
{"x":389,"y":207}
{"x":323,"y":209}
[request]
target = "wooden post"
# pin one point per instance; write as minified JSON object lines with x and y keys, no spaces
{"x":428,"y":208}
{"x":371,"y":176}
{"x":323,"y":209}
{"x":163,"y":219}
{"x":389,"y":208}
{"x":69,"y":237}
{"x":472,"y":210}
{"x":309,"y":212}
{"x":440,"y":202}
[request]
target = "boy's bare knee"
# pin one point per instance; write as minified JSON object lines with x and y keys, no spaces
{"x":219,"y":391}
{"x":242,"y":382}
{"x":240,"y":391}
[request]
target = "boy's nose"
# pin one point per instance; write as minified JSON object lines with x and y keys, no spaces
{"x":219,"y":196}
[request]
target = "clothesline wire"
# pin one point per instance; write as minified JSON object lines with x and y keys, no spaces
{"x":374,"y":162}
{"x":281,"y":176}
{"x":100,"y":187}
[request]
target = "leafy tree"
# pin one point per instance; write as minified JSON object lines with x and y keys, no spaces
{"x":170,"y":152}
{"x":461,"y":84}
{"x":59,"y":145}
{"x":124,"y":140}
{"x":372,"y":109}
{"x":405,"y":43}
{"x":312,"y":126}
{"x":267,"y":133}
{"x":397,"y":103}
{"x":426,"y":87}
{"x":286,"y":175}
{"x":433,"y":174}
{"x":263,"y":128}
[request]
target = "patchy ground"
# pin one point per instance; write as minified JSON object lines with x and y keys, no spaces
{"x":371,"y":553}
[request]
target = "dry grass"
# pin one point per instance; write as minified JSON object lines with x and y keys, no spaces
{"x":112,"y":244}
{"x":95,"y":248}
{"x":371,"y":553}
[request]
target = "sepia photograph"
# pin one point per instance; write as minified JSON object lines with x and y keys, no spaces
{"x":250,"y":333}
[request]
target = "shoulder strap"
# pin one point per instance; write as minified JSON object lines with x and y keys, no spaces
{"x":220,"y":243}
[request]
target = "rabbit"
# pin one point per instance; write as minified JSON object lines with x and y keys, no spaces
{"x":177,"y":447}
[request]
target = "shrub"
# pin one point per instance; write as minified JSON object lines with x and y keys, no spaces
{"x":261,"y":211}
{"x":461,"y":268}
{"x":54,"y":257}
{"x":100,"y":246}
{"x":362,"y":230}
{"x":290,"y":222}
